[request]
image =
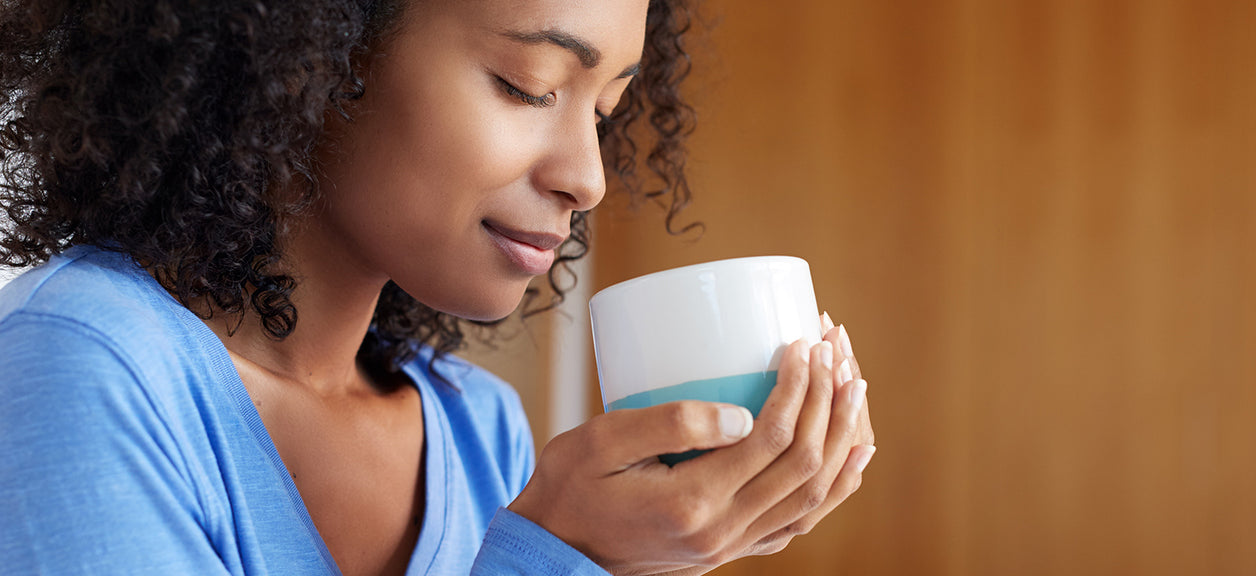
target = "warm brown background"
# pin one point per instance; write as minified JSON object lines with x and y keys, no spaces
{"x":1036,"y":219}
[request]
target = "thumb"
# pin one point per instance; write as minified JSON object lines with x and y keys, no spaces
{"x":633,"y":435}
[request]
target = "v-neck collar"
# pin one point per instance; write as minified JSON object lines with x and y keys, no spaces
{"x":435,"y":465}
{"x":437,"y":434}
{"x":436,"y":470}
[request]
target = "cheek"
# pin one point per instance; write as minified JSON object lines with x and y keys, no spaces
{"x":453,"y":137}
{"x":417,"y":177}
{"x":430,"y":159}
{"x":469,"y":148}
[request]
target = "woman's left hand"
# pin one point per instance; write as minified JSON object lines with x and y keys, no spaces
{"x":864,"y":436}
{"x":600,"y":489}
{"x":848,"y":371}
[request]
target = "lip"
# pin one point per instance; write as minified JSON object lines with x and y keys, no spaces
{"x":532,"y":252}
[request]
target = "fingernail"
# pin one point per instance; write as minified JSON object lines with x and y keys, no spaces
{"x":843,"y":372}
{"x":858,"y":392}
{"x":844,"y":340}
{"x":826,"y":323}
{"x":864,"y":457}
{"x":805,"y":351}
{"x":826,"y":354}
{"x":735,"y":422}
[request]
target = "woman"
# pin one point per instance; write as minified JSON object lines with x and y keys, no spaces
{"x":261,"y":226}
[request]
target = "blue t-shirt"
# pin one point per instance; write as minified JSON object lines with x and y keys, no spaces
{"x":129,"y":445}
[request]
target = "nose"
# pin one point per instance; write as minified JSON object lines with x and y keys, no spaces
{"x":571,"y":168}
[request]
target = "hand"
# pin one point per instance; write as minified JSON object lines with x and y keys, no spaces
{"x":601,"y":489}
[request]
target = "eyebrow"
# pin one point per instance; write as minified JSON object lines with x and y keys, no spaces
{"x":589,"y":56}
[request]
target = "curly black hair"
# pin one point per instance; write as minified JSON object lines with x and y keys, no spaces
{"x":173,"y":131}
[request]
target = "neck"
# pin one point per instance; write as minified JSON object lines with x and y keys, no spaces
{"x":335,"y":299}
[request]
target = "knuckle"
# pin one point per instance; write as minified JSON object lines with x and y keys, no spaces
{"x":847,"y":487}
{"x":720,"y":557}
{"x":798,"y":380}
{"x":595,"y":436}
{"x":600,"y":437}
{"x":778,"y":435}
{"x":794,"y":529}
{"x":706,"y":545}
{"x":793,"y":374}
{"x":685,"y":514}
{"x":869,"y":437}
{"x":814,"y":494}
{"x":770,"y":544}
{"x":562,"y":445}
{"x":822,"y":385}
{"x":856,"y":484}
{"x":810,"y":461}
{"x":849,"y":434}
{"x":825,"y":393}
{"x":776,"y":545}
{"x":685,"y":419}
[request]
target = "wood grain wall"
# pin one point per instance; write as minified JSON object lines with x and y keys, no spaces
{"x":1036,"y":219}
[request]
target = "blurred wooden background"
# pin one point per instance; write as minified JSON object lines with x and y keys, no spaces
{"x":1036,"y":219}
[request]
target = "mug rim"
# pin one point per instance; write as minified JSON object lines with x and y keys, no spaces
{"x":620,"y":286}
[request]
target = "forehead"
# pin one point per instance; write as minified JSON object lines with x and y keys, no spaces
{"x":616,"y":28}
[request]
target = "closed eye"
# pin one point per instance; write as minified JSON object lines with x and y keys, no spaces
{"x":538,"y":101}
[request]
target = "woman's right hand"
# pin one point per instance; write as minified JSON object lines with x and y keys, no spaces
{"x":601,"y":489}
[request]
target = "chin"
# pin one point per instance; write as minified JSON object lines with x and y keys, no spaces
{"x":486,"y":314}
{"x":478,"y":306}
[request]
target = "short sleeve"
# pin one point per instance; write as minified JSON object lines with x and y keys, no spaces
{"x":91,"y":479}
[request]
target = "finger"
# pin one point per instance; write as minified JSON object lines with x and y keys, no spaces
{"x":813,"y":495}
{"x":829,"y":333}
{"x":846,"y":483}
{"x":844,"y":372}
{"x":844,"y":376}
{"x":773,"y":429}
{"x":805,"y":458}
{"x":843,"y":340}
{"x":622,"y":438}
{"x":865,"y":435}
{"x":850,"y":371}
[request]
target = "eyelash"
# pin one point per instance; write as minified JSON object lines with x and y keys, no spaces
{"x":541,"y":101}
{"x":537,"y":101}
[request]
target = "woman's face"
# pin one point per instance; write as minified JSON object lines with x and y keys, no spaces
{"x":475,"y":141}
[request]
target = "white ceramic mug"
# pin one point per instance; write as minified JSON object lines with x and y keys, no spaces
{"x":713,"y":331}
